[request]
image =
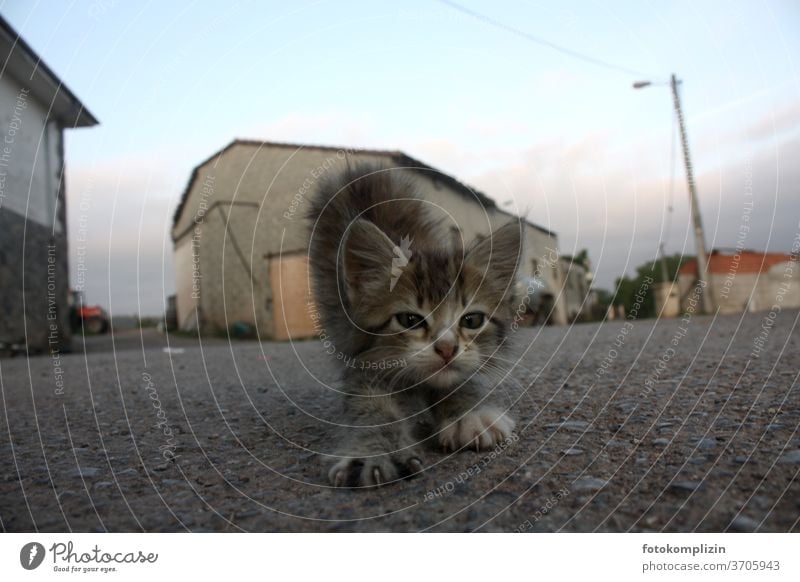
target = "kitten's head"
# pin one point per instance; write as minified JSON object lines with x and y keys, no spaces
{"x":432,"y":315}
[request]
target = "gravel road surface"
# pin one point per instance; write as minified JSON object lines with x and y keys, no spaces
{"x":645,"y":426}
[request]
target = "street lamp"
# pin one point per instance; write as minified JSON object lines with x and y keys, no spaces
{"x":702,"y":258}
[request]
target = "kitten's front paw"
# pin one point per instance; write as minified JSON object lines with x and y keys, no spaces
{"x":481,"y":429}
{"x":374,"y":471}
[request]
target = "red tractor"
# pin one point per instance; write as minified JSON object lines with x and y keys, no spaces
{"x":87,"y":318}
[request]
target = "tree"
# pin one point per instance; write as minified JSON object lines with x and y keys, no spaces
{"x":639,"y":289}
{"x":604,"y":298}
{"x":582,"y":259}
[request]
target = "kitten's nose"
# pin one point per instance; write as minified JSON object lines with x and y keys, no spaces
{"x":446,"y":349}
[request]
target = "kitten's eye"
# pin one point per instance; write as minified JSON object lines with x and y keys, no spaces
{"x":473,"y":320}
{"x":410,"y":320}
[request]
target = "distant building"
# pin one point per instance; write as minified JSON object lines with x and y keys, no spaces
{"x":579,"y":298}
{"x":35,"y":109}
{"x":667,"y":299}
{"x":241,"y":238}
{"x":745,"y":281}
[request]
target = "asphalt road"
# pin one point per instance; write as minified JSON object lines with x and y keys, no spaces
{"x":647,"y":427}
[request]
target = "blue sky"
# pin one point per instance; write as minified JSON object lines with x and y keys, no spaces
{"x":570,"y":143}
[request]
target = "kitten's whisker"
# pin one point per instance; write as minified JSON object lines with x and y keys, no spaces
{"x":503,"y":373}
{"x":388,"y":348}
{"x":515,"y":363}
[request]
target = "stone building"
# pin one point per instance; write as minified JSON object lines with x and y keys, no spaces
{"x":35,"y":109}
{"x":579,"y":298}
{"x":241,"y":238}
{"x":744,"y":280}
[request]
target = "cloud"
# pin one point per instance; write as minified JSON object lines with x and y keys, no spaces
{"x":118,"y":217}
{"x":612,"y":200}
{"x":770,"y":180}
{"x":783,"y":120}
{"x":741,"y":133}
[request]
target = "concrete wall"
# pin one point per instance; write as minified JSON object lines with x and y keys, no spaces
{"x":33,"y":303}
{"x":188,"y":278}
{"x":251,"y":202}
{"x":30,"y":156}
{"x":235,"y":271}
{"x":33,"y":309}
{"x":575,"y":290}
{"x":667,"y":299}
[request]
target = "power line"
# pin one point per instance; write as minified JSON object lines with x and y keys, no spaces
{"x":547,"y":43}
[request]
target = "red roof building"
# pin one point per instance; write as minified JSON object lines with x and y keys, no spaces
{"x":745,"y":281}
{"x":744,"y":261}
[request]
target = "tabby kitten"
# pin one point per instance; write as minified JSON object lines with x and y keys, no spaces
{"x":417,"y":319}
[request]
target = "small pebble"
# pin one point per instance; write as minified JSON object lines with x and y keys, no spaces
{"x":744,"y":524}
{"x":589,"y":484}
{"x":761,"y":501}
{"x":128,"y":473}
{"x":690,"y":486}
{"x":66,"y":495}
{"x":791,"y":457}
{"x":704,"y":443}
{"x":84,"y":472}
{"x":615,"y":444}
{"x":569,"y":425}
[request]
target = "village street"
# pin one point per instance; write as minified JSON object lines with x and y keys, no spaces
{"x":645,"y":426}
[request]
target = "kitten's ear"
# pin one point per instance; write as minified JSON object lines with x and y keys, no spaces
{"x":367,"y":259}
{"x":498,"y":254}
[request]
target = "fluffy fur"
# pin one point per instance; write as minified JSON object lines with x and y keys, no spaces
{"x":418,"y":318}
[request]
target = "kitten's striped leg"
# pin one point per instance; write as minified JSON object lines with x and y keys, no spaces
{"x":380,"y":449}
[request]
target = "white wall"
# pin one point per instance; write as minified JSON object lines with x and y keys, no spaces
{"x":188,"y":278}
{"x":29,"y":156}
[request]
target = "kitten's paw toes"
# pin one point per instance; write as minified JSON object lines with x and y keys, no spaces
{"x":481,"y":429}
{"x":374,"y":471}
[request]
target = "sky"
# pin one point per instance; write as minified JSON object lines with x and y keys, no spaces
{"x":566,"y":142}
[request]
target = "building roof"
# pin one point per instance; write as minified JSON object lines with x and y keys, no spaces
{"x":23,"y":64}
{"x":397,"y":159}
{"x":745,"y":261}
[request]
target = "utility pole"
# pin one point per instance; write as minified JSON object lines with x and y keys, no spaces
{"x":664,"y":272}
{"x":706,"y":300}
{"x":699,"y":237}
